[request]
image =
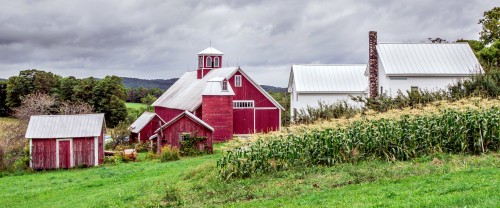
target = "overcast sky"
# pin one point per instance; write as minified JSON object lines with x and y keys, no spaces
{"x":160,"y":39}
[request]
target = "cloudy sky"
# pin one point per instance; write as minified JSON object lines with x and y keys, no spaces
{"x":160,"y":39}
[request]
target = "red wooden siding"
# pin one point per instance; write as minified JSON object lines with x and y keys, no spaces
{"x":64,"y":154}
{"x":171,"y":134}
{"x":167,"y":114}
{"x":248,"y":91}
{"x":150,"y":129}
{"x":267,"y":120}
{"x":199,"y":112}
{"x":83,"y":151}
{"x":243,"y":121}
{"x":218,"y":113}
{"x":43,"y":154}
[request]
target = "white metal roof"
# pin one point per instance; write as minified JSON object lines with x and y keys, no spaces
{"x":142,"y":121}
{"x":214,"y":87}
{"x":189,"y":115}
{"x":186,"y":93}
{"x":65,"y":126}
{"x":210,"y":51}
{"x":437,"y":59}
{"x":329,"y":78}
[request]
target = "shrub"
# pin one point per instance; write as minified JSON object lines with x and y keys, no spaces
{"x":142,"y":146}
{"x":169,"y":153}
{"x":151,"y":156}
{"x":14,"y":148}
{"x":324,"y":111}
{"x":189,"y":145}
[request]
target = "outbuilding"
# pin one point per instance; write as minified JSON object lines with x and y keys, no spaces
{"x":65,"y":141}
{"x":145,"y":126}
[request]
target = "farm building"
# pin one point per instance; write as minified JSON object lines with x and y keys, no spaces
{"x":392,"y":67}
{"x":226,"y":99}
{"x":311,"y":84}
{"x":184,"y":124}
{"x":145,"y":126}
{"x":418,"y":66}
{"x":65,"y":141}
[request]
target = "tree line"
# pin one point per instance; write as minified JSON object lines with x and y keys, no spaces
{"x":105,"y":95}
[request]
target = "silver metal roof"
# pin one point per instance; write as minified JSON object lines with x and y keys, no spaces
{"x":142,"y":121}
{"x":189,"y":115}
{"x":329,"y":78}
{"x":210,"y":51}
{"x":214,"y":87}
{"x":428,"y":59}
{"x":65,"y":126}
{"x":186,"y":93}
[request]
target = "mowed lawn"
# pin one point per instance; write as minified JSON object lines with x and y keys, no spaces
{"x":135,"y":105}
{"x":442,"y":181}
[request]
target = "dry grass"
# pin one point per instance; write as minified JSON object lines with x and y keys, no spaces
{"x":4,"y":120}
{"x":432,"y":108}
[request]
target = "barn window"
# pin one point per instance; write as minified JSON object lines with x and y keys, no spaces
{"x":243,"y":104}
{"x":216,"y":61}
{"x":224,"y":85}
{"x":209,"y":61}
{"x":237,"y":80}
{"x":184,"y":136}
{"x":414,"y":89}
{"x":200,"y":61}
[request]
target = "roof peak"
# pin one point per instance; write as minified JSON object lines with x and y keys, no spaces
{"x":211,"y":51}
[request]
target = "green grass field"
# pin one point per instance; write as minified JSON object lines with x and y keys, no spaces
{"x":440,"y":180}
{"x":135,"y":105}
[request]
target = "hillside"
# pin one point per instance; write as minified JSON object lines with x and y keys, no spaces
{"x":164,"y":84}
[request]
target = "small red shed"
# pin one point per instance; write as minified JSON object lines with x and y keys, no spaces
{"x":145,"y":126}
{"x":184,"y":124}
{"x":65,"y":141}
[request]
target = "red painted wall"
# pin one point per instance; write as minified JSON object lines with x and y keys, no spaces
{"x":172,"y":133}
{"x":267,"y":120}
{"x":64,"y":154}
{"x":248,"y":91}
{"x":83,"y":151}
{"x":218,"y":113}
{"x":199,"y":112}
{"x":150,"y":129}
{"x":243,"y":121}
{"x":101,"y":148}
{"x":167,"y":114}
{"x":43,"y":154}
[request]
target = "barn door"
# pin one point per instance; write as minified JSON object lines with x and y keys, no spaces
{"x":243,"y":121}
{"x":64,"y":154}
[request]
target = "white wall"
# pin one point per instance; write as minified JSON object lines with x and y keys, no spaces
{"x":302,"y":100}
{"x":391,"y":85}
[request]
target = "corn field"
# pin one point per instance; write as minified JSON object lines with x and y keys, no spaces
{"x":473,"y":131}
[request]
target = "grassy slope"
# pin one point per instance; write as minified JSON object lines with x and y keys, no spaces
{"x":135,"y":105}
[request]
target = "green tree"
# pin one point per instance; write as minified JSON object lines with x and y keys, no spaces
{"x":148,"y":100}
{"x":490,"y":56}
{"x":491,"y":26}
{"x":4,"y":110}
{"x":28,"y":82}
{"x":83,"y":90}
{"x":108,"y":97}
{"x":66,"y":88}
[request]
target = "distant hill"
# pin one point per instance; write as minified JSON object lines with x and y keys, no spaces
{"x":164,"y":84}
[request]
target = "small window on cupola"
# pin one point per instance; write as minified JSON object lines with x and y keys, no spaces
{"x":209,"y":61}
{"x":216,"y":62}
{"x":200,"y":61}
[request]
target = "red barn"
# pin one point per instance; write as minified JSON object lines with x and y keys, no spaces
{"x":227,"y":99}
{"x":184,"y":124}
{"x":145,"y":126}
{"x":65,"y":141}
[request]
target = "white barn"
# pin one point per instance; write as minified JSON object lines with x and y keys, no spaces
{"x":311,"y":84}
{"x":418,"y":66}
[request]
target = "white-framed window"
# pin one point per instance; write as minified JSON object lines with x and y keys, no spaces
{"x":224,"y":85}
{"x":200,"y":61}
{"x":237,"y":80}
{"x":414,"y":88}
{"x":216,"y":62}
{"x":243,"y":104}
{"x":183,"y":136}
{"x":209,"y":61}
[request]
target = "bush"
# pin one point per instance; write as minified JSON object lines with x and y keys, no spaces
{"x":151,"y":156}
{"x":142,"y":147}
{"x":324,"y":111}
{"x":14,"y":148}
{"x":169,"y":153}
{"x":189,"y":145}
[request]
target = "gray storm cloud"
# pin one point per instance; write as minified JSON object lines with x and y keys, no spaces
{"x":160,"y":39}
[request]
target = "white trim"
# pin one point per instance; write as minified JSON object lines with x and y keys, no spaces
{"x":218,"y":61}
{"x":266,"y":108}
{"x":96,"y":151}
{"x":240,"y":102}
{"x":279,"y":127}
{"x":269,"y":97}
{"x":208,"y":66}
{"x":71,"y":162}
{"x":31,"y":153}
{"x":237,"y":83}
{"x":254,"y":129}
